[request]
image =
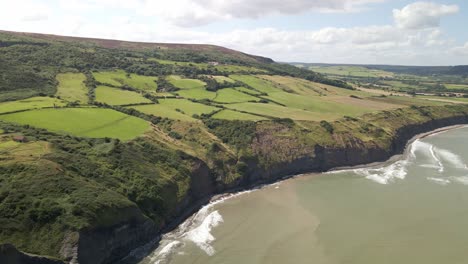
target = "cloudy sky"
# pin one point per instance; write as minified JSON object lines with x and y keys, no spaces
{"x":331,"y":31}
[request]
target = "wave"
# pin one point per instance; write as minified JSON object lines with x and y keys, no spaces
{"x":202,"y":236}
{"x":463,"y":180}
{"x":163,"y":256}
{"x":440,"y":181}
{"x":387,"y":174}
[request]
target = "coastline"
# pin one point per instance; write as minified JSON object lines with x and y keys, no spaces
{"x":139,"y":253}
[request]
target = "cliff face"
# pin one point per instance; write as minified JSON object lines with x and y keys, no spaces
{"x":274,"y":157}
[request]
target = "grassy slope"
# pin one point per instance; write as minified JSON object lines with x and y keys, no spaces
{"x":30,"y":103}
{"x":72,"y":88}
{"x":115,"y":96}
{"x":120,"y":78}
{"x":84,"y":122}
{"x":67,"y":183}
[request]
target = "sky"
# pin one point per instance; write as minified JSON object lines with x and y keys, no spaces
{"x":398,"y":32}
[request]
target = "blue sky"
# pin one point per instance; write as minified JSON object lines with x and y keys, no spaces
{"x":330,"y":31}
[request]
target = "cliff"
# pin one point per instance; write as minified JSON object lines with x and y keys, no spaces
{"x":274,"y":149}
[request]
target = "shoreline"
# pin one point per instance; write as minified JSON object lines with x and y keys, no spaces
{"x":228,"y":194}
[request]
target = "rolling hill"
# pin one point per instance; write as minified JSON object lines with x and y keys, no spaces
{"x":105,"y":143}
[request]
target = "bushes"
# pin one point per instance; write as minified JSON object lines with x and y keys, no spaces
{"x":327,"y":126}
{"x":236,"y":133}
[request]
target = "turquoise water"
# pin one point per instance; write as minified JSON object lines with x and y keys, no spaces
{"x":412,"y":211}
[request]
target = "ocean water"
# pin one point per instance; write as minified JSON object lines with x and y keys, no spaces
{"x":413,"y":211}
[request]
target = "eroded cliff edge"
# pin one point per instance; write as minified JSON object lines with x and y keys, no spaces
{"x":259,"y":153}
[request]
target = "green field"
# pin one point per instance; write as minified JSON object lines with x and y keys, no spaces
{"x":247,"y":90}
{"x":120,"y":78}
{"x":163,"y":111}
{"x":72,"y":88}
{"x":234,"y":115}
{"x":83,"y":122}
{"x":197,"y":94}
{"x":222,"y":79}
{"x":456,"y":86}
{"x":116,"y":96}
{"x":231,"y":95}
{"x":257,"y":83}
{"x":178,"y":109}
{"x":30,"y":103}
{"x":352,"y":71}
{"x":272,"y":110}
{"x":182,"y":83}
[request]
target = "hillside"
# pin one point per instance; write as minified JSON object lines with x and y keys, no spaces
{"x":105,"y":143}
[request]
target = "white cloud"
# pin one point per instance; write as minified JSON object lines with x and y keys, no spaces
{"x":422,"y":15}
{"x":462,"y":50}
{"x":192,"y":13}
{"x":24,"y":11}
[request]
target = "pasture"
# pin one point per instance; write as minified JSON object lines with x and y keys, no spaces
{"x":182,"y":83}
{"x":71,"y":87}
{"x":234,"y":115}
{"x":257,"y":83}
{"x":231,"y":95}
{"x":351,"y":71}
{"x":82,"y":122}
{"x":197,"y":94}
{"x":178,"y":109}
{"x":120,"y":78}
{"x":30,"y":103}
{"x":116,"y":96}
{"x":271,"y":110}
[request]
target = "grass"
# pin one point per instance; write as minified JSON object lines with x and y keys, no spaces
{"x":259,"y":84}
{"x":231,"y":95}
{"x":177,"y":109}
{"x":247,"y":90}
{"x":234,"y":115}
{"x":456,"y":86}
{"x":163,"y":111}
{"x":83,"y":122}
{"x":121,"y":78}
{"x":30,"y":103}
{"x":72,"y":88}
{"x":115,"y":96}
{"x":197,"y":94}
{"x":351,"y":71}
{"x":222,"y":79}
{"x":277,"y":111}
{"x":182,"y":83}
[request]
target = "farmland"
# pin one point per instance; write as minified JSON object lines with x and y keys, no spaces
{"x":183,"y":83}
{"x":72,"y":88}
{"x":234,"y":115}
{"x":121,"y":78}
{"x":83,"y":122}
{"x":231,"y":95}
{"x":177,"y":109}
{"x":115,"y":96}
{"x":30,"y":103}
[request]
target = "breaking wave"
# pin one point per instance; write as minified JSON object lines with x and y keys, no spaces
{"x":385,"y":175}
{"x":202,"y":236}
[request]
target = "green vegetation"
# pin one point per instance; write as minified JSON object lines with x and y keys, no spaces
{"x":30,"y":103}
{"x":177,"y":109}
{"x":168,"y":124}
{"x":83,"y":122}
{"x":231,"y":95}
{"x":115,"y":96}
{"x":234,"y":115}
{"x":121,"y":78}
{"x":72,"y":87}
{"x":182,"y":83}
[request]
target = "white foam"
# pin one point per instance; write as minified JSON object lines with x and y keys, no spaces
{"x":452,"y":158}
{"x":432,"y":150}
{"x":439,"y":180}
{"x":463,"y":180}
{"x":202,"y":236}
{"x":387,"y":174}
{"x":165,"y":252}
